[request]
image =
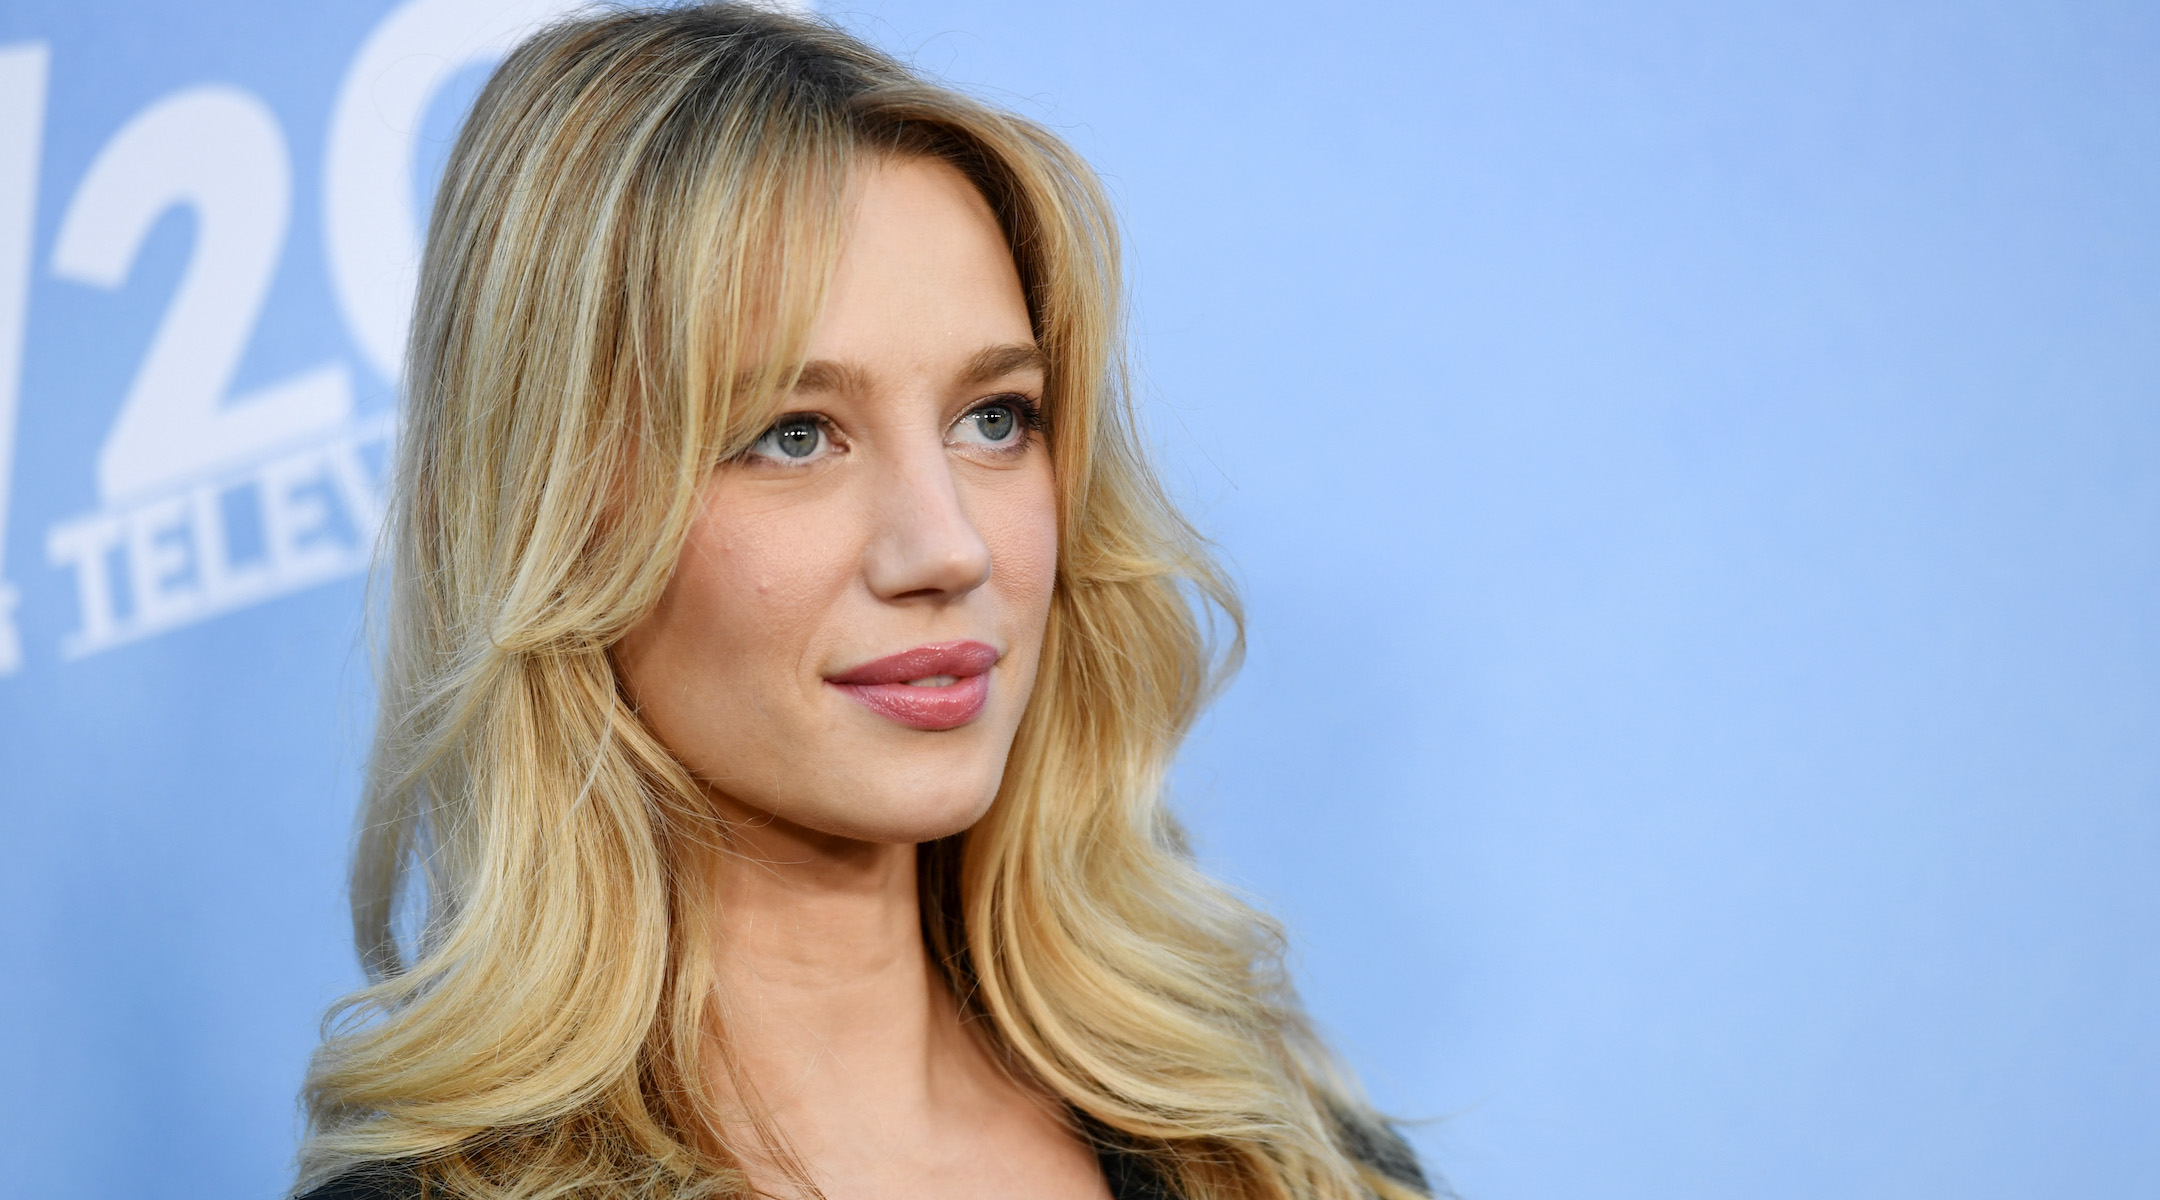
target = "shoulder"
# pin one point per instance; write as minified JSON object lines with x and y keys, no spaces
{"x":377,"y":1181}
{"x":1133,"y":1175}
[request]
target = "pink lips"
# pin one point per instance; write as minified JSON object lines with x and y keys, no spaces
{"x":904,"y":686}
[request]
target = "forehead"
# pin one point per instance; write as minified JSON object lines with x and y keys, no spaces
{"x":925,"y":279}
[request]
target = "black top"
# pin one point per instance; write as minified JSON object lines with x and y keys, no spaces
{"x":1130,"y":1174}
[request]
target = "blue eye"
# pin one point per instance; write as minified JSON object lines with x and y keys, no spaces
{"x":1000,"y":424}
{"x":791,"y":439}
{"x":996,"y":422}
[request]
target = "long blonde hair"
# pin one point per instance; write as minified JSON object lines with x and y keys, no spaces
{"x":631,"y":242}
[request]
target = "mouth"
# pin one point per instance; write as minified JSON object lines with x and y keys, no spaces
{"x":940,"y":686}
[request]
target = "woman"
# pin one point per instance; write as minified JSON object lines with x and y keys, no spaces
{"x":787,"y":644}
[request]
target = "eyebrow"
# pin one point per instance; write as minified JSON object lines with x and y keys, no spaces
{"x":996,"y":362}
{"x":824,"y":375}
{"x":989,"y":363}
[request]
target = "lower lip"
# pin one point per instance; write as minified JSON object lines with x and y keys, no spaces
{"x":947,"y":707}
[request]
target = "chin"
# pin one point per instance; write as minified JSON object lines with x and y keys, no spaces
{"x":902,"y":818}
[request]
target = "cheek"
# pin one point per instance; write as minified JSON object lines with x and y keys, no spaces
{"x":1023,"y":542}
{"x":736,"y":591}
{"x":737,"y":621}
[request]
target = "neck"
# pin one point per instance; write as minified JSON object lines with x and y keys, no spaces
{"x":841,"y":1028}
{"x":850,"y":1048}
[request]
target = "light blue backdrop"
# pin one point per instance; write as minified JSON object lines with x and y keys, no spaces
{"x":1695,"y":470}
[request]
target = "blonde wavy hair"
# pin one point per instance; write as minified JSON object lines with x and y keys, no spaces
{"x":632,"y":239}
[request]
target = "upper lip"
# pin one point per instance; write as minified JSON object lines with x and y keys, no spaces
{"x":923,"y":662}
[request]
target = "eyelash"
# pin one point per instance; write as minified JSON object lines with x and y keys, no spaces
{"x":826,"y":430}
{"x":1029,"y":409}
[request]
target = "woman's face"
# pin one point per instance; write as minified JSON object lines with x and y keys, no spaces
{"x":852,"y":631}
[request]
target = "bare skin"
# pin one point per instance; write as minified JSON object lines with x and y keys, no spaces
{"x":902,"y":503}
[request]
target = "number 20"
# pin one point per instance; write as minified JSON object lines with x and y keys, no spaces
{"x":219,"y":151}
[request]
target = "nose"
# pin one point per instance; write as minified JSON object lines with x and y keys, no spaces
{"x":926,"y":546}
